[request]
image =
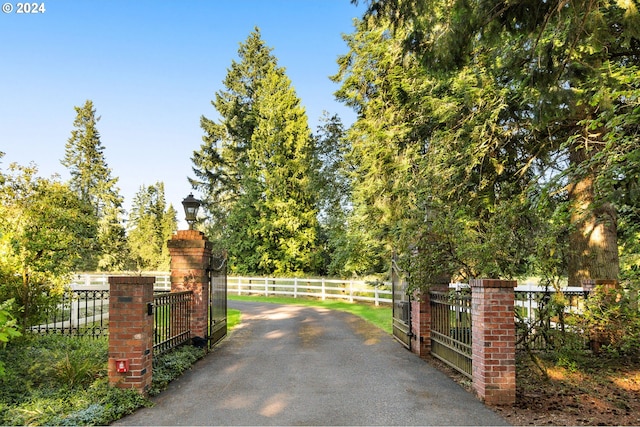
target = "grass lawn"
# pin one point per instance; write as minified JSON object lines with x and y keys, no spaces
{"x":233,"y":318}
{"x":380,"y":316}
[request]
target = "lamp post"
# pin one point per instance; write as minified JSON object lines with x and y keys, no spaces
{"x":191,"y":206}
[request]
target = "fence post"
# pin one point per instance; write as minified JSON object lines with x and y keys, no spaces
{"x":295,"y":287}
{"x":350,"y":290}
{"x":190,"y":253}
{"x":494,"y":340}
{"x":75,"y":311}
{"x":130,"y":332}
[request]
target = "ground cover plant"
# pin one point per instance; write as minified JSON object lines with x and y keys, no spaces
{"x":61,"y":380}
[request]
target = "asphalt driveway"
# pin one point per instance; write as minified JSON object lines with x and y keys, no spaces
{"x":291,"y":365}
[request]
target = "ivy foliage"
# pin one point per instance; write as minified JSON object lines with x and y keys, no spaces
{"x":59,"y":380}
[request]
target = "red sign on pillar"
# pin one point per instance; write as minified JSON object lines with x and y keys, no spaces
{"x":122,"y":366}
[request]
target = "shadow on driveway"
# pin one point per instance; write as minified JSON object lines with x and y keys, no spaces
{"x":294,"y":365}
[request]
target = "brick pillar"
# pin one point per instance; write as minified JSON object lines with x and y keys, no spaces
{"x":131,"y":331}
{"x":421,"y":324}
{"x":494,"y":340}
{"x":190,"y":256}
{"x":421,"y":320}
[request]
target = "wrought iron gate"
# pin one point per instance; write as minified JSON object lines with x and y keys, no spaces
{"x":217,"y":299}
{"x":401,"y":306}
{"x":451,"y":329}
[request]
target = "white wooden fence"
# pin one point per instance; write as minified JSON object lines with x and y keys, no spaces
{"x":101,"y":280}
{"x":348,"y":290}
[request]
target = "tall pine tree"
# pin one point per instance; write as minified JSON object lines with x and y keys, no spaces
{"x":560,"y":77}
{"x":254,"y":168}
{"x":91,"y":179}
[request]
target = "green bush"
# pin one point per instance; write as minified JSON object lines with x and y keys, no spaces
{"x":8,"y":328}
{"x":612,"y":320}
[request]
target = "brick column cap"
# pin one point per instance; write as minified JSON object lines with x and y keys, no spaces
{"x":492,"y":283}
{"x":189,"y":239}
{"x":189,"y":235}
{"x":131,"y":280}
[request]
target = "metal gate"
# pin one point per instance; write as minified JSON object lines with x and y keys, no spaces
{"x":451,"y":329}
{"x":401,"y":306}
{"x":217,"y":299}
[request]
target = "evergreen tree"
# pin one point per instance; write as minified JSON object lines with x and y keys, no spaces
{"x":91,"y":179}
{"x":151,"y":223}
{"x":254,"y":168}
{"x":332,"y":183}
{"x":221,"y":163}
{"x":544,"y":90}
{"x":280,"y":163}
{"x":377,"y":79}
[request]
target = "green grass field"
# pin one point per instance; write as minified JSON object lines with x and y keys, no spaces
{"x":380,"y":317}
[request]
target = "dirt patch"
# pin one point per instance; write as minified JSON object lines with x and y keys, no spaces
{"x":309,"y":333}
{"x":370,"y":335}
{"x":595,"y":391}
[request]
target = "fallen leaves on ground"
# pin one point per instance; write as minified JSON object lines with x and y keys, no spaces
{"x":596,"y":391}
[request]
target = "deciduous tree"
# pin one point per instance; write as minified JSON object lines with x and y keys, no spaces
{"x":44,"y":229}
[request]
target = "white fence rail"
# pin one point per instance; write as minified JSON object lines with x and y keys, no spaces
{"x":349,"y":290}
{"x":100,"y":281}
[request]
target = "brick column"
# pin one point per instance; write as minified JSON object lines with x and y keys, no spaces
{"x":421,"y":324}
{"x":493,"y":334}
{"x":131,"y":331}
{"x":421,"y":320}
{"x":190,"y":256}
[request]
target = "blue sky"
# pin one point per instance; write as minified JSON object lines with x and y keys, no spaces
{"x":151,"y":69}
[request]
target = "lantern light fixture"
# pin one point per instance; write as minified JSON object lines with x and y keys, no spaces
{"x":191,"y":206}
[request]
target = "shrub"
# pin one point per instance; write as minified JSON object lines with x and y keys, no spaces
{"x":612,"y":320}
{"x":8,"y":328}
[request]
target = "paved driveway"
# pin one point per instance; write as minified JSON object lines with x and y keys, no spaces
{"x":290,"y":365}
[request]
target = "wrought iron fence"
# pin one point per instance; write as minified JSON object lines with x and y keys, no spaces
{"x":544,"y":317}
{"x":172,"y":326}
{"x":81,"y":312}
{"x":451,"y":329}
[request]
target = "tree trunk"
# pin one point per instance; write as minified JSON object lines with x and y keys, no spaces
{"x":593,"y":251}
